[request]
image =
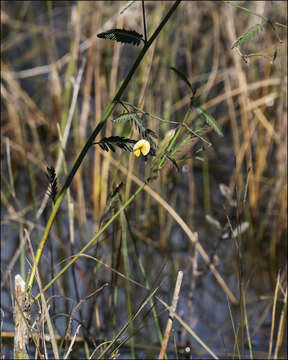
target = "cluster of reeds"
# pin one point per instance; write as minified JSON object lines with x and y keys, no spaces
{"x":198,"y":92}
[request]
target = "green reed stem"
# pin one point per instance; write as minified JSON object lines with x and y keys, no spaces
{"x":89,"y":143}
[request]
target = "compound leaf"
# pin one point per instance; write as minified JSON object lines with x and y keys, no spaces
{"x":125,"y":117}
{"x":122,"y":35}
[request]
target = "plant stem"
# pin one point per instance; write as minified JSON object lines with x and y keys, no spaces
{"x":254,"y":13}
{"x":144,"y":21}
{"x":89,"y":143}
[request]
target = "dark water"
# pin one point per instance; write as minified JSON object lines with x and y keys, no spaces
{"x":208,"y":315}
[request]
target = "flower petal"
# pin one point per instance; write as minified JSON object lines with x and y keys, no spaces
{"x":137,"y":152}
{"x":142,"y":146}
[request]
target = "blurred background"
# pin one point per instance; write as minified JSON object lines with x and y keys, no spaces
{"x":56,"y":75}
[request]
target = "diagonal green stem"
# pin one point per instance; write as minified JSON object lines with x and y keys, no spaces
{"x":254,"y":13}
{"x":89,"y":143}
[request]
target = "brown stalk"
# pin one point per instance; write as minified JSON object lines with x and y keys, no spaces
{"x":171,"y":314}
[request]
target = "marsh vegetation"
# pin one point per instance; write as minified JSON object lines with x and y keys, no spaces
{"x":144,"y":170}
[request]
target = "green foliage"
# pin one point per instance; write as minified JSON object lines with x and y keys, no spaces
{"x":122,"y":35}
{"x":106,"y":144}
{"x":255,"y":30}
{"x":137,"y":122}
{"x":210,"y":120}
{"x":126,"y":117}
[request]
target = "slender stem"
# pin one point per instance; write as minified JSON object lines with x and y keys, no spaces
{"x":195,"y":134}
{"x":254,"y":13}
{"x":144,"y":21}
{"x":171,"y":314}
{"x":89,"y":143}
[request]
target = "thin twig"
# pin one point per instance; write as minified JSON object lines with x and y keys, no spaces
{"x":72,"y":342}
{"x":188,"y":328}
{"x":171,"y":314}
{"x":254,"y":13}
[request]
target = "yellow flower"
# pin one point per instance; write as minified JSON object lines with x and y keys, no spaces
{"x":142,"y":146}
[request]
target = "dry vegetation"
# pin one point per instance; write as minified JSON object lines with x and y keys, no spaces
{"x":57,"y":78}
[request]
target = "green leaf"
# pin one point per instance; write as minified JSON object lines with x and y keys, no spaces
{"x":255,"y":30}
{"x":106,"y":144}
{"x":125,"y":117}
{"x":122,"y":35}
{"x":182,"y":77}
{"x":210,"y":120}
